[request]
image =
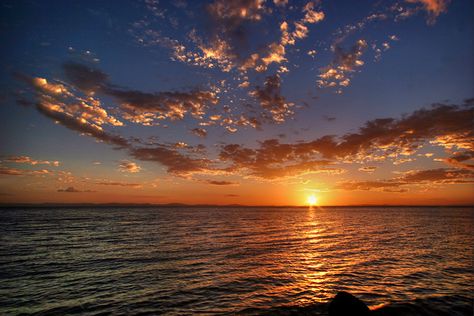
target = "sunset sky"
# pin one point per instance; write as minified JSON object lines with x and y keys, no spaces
{"x":237,"y":102}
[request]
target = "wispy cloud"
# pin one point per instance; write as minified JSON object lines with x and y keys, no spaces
{"x":73,"y":190}
{"x":426,"y":178}
{"x":30,"y":161}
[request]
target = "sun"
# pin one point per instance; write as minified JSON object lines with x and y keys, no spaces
{"x":312,"y":200}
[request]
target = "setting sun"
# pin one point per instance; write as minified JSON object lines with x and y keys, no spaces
{"x":312,"y":200}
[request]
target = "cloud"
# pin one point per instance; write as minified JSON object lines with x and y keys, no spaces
{"x":129,"y":166}
{"x":148,"y":108}
{"x":21,"y":172}
{"x":376,"y":140}
{"x":272,"y":161}
{"x":175,"y":162}
{"x":10,"y":171}
{"x":280,"y":3}
{"x":80,"y":125}
{"x":85,"y":78}
{"x":440,"y":175}
{"x":82,"y":114}
{"x":137,"y":106}
{"x":227,"y":40}
{"x":460,"y":160}
{"x":201,"y":132}
{"x":121,"y":184}
{"x":338,"y":73}
{"x":433,"y":7}
{"x":216,"y":182}
{"x":275,"y":52}
{"x":270,"y":99}
{"x":368,"y":169}
{"x":72,"y":190}
{"x":232,"y":13}
{"x":329,"y":118}
{"x":368,"y":185}
{"x":29,"y":160}
{"x":415,"y":177}
{"x":51,"y":102}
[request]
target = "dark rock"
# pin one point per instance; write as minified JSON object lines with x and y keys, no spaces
{"x":345,"y":304}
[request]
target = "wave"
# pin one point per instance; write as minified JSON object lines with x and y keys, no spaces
{"x":455,"y":305}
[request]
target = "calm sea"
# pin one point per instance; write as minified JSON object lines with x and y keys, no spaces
{"x":181,"y":261}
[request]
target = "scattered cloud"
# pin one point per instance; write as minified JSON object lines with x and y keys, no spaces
{"x":129,"y":167}
{"x":433,"y":7}
{"x":338,"y":73}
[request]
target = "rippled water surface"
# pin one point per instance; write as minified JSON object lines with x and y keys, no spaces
{"x":226,"y":260}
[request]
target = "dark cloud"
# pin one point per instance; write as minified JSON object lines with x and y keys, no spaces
{"x":378,"y":139}
{"x":175,"y":162}
{"x":416,"y":177}
{"x":329,"y":118}
{"x":87,"y":79}
{"x":82,"y":114}
{"x":53,"y":102}
{"x":344,"y":63}
{"x":273,"y":160}
{"x":138,"y":106}
{"x":440,"y":175}
{"x":461,"y":159}
{"x":147,"y":108}
{"x":78,"y":125}
{"x":10,"y":171}
{"x":270,"y":99}
{"x":216,"y":182}
{"x":201,"y":132}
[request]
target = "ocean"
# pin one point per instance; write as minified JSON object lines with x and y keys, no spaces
{"x":225,"y":261}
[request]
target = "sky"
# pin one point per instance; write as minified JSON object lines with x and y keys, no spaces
{"x":254,"y":102}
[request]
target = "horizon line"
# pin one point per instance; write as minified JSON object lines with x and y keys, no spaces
{"x":176,"y":204}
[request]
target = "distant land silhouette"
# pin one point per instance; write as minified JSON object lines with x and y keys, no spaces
{"x":177,"y":205}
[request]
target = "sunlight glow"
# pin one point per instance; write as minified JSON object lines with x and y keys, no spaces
{"x":312,"y":200}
